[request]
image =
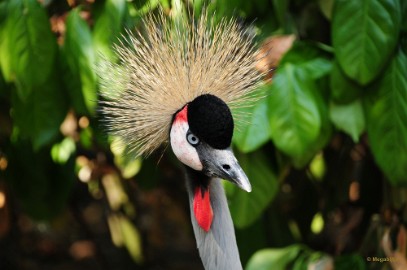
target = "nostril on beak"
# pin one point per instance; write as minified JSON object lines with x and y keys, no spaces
{"x":226,"y":167}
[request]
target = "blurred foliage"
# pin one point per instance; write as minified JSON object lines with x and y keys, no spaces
{"x":325,"y":150}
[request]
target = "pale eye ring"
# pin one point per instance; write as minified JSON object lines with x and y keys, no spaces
{"x":192,"y":139}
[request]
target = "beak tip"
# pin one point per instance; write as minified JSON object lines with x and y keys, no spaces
{"x":247,"y":188}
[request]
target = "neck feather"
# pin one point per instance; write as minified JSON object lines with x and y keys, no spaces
{"x":217,"y":247}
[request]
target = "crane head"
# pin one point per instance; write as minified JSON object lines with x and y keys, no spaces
{"x":201,"y":134}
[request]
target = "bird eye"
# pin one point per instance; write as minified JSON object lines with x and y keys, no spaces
{"x":192,"y":139}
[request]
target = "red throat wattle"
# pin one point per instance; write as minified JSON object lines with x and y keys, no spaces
{"x":202,"y":208}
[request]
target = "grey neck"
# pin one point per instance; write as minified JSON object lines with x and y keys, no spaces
{"x":217,"y":248}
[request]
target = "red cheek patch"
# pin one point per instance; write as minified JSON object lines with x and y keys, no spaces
{"x":182,"y":116}
{"x":202,"y":208}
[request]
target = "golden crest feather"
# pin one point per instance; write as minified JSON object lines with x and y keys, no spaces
{"x":170,"y":65}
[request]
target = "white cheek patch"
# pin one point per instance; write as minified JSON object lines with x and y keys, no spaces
{"x":185,"y":152}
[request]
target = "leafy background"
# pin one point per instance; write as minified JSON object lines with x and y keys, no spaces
{"x":325,"y":150}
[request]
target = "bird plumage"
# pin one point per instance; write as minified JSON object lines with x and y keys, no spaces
{"x":176,"y":83}
{"x":168,"y":66}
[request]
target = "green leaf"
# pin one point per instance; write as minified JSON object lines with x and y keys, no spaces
{"x":128,"y":164}
{"x":273,"y":258}
{"x":79,"y":57}
{"x":245,"y":207}
{"x":255,"y":129}
{"x":31,"y":45}
{"x":131,"y":238}
{"x":294,"y":115}
{"x":39,"y":117}
{"x":297,"y":109}
{"x":348,"y":118}
{"x":296,"y":257}
{"x":198,"y":6}
{"x":314,"y":148}
{"x":364,"y":35}
{"x":108,"y":26}
{"x":403,"y":15}
{"x":5,"y":66}
{"x":310,"y":58}
{"x":61,"y":152}
{"x":146,"y":7}
{"x":86,"y":138}
{"x":3,"y":13}
{"x":343,"y":89}
{"x":386,"y":117}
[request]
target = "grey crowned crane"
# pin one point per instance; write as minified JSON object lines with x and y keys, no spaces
{"x":178,"y":83}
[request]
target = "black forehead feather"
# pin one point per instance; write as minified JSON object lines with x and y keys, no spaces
{"x":210,"y":119}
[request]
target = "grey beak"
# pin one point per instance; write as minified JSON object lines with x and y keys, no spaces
{"x":223,"y":164}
